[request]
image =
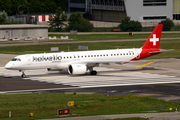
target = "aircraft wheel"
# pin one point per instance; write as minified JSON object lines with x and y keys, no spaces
{"x":23,"y":75}
{"x":93,"y":72}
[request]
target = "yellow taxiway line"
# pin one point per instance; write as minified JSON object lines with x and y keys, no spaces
{"x":144,"y":64}
{"x":4,"y":60}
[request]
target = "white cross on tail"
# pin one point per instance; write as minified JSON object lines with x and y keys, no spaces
{"x":154,"y":39}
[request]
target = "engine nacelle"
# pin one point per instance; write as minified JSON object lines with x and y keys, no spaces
{"x":77,"y":69}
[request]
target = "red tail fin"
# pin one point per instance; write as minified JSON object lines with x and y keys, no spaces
{"x":154,"y":39}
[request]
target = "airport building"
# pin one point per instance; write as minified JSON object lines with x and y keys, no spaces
{"x":23,"y":31}
{"x":116,"y":10}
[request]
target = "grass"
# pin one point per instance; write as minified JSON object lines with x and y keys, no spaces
{"x":114,"y":36}
{"x":165,"y":44}
{"x":85,"y":105}
{"x":133,"y":118}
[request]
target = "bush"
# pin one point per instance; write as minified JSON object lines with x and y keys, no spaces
{"x":167,"y":24}
{"x":2,"y":20}
{"x":77,"y":22}
{"x":128,"y":25}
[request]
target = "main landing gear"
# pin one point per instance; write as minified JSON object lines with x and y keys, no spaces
{"x":23,"y":74}
{"x":92,"y":72}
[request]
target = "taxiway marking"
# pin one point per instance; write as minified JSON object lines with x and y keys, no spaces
{"x":4,"y":60}
{"x":144,"y":64}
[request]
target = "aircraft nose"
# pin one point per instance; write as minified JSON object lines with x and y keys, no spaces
{"x":8,"y":65}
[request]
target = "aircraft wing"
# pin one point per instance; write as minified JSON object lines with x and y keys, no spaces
{"x":96,"y":63}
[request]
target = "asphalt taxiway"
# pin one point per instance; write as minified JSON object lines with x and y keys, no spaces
{"x":161,"y":79}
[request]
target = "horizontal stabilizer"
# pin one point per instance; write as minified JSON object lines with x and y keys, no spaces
{"x":161,"y":50}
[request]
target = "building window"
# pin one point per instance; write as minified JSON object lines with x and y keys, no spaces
{"x":154,"y":2}
{"x":77,"y":1}
{"x":176,"y":16}
{"x":154,"y":18}
{"x":72,"y":9}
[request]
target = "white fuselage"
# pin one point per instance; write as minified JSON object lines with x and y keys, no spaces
{"x":62,"y":60}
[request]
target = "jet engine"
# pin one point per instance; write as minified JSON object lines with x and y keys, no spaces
{"x":77,"y":69}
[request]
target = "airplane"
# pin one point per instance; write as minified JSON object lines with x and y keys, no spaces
{"x":80,"y":62}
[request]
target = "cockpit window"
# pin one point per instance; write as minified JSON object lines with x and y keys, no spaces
{"x":16,"y":59}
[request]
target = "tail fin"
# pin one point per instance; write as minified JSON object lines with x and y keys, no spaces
{"x":154,"y":39}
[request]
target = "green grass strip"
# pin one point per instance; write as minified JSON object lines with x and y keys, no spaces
{"x":47,"y":104}
{"x":165,"y":44}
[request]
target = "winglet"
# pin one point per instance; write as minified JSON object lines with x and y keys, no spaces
{"x":154,"y":39}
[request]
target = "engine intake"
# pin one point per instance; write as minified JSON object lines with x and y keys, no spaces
{"x":77,"y":69}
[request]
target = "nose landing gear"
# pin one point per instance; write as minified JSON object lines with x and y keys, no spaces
{"x":23,"y":74}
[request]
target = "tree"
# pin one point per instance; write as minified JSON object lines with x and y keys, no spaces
{"x":167,"y":24}
{"x":128,"y":25}
{"x":35,"y":6}
{"x":49,"y":6}
{"x":6,"y":6}
{"x":58,"y":20}
{"x":62,"y":3}
{"x":3,"y":17}
{"x":77,"y":22}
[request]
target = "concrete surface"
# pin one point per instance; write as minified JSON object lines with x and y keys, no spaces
{"x":151,"y":116}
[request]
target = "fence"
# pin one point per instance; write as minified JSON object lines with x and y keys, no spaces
{"x":22,"y":19}
{"x":29,"y":19}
